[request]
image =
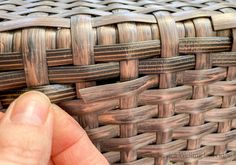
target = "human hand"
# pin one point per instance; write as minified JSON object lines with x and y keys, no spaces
{"x":35,"y":132}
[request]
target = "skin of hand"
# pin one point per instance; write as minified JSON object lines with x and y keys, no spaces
{"x":35,"y":132}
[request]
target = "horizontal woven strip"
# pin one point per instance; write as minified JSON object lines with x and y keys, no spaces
{"x":152,"y":82}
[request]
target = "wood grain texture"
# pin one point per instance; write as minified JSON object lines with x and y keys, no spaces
{"x":103,"y":133}
{"x":105,"y":20}
{"x":170,"y":47}
{"x":224,"y":59}
{"x":202,"y":44}
{"x":152,"y":82}
{"x":56,"y":93}
{"x":191,"y":14}
{"x":121,"y":89}
{"x":146,"y":161}
{"x":11,"y":61}
{"x":166,"y":65}
{"x":223,"y":88}
{"x":192,"y":155}
{"x":62,"y":55}
{"x":83,"y":73}
{"x":82,"y":46}
{"x":107,"y":36}
{"x":165,"y":96}
{"x":33,"y":22}
{"x":228,"y":102}
{"x":226,"y":158}
{"x":162,"y":149}
{"x":163,"y":124}
{"x":78,"y":107}
{"x":221,"y":115}
{"x":208,"y":76}
{"x":12,"y":80}
{"x":127,"y":32}
{"x":134,"y":142}
{"x":119,"y":18}
{"x":219,"y":138}
{"x":112,"y":157}
{"x":203,"y":28}
{"x":127,"y":51}
{"x":134,"y":115}
{"x":226,"y":21}
{"x":232,"y":145}
{"x":194,"y":132}
{"x":82,"y":50}
{"x":197,"y":105}
{"x":34,"y":57}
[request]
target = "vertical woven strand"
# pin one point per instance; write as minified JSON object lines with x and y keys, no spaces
{"x":232,"y":70}
{"x":128,"y":71}
{"x":6,"y":37}
{"x":228,"y":101}
{"x":82,"y":49}
{"x":50,"y":39}
{"x":63,"y":39}
{"x":169,"y":48}
{"x":34,"y":53}
{"x":203,"y":28}
{"x":108,"y":35}
{"x":17,"y":41}
{"x":34,"y":56}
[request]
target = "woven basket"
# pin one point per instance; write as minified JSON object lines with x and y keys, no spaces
{"x":152,"y":82}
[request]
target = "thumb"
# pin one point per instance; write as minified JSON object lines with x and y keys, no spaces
{"x":26,"y":131}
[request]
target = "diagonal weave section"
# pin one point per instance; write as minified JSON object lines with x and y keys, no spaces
{"x":152,"y":82}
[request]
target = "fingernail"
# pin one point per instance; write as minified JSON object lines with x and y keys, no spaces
{"x":31,"y":108}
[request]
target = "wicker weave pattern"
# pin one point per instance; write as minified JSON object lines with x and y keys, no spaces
{"x":152,"y":82}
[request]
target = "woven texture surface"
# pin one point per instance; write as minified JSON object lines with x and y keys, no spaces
{"x":151,"y":81}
